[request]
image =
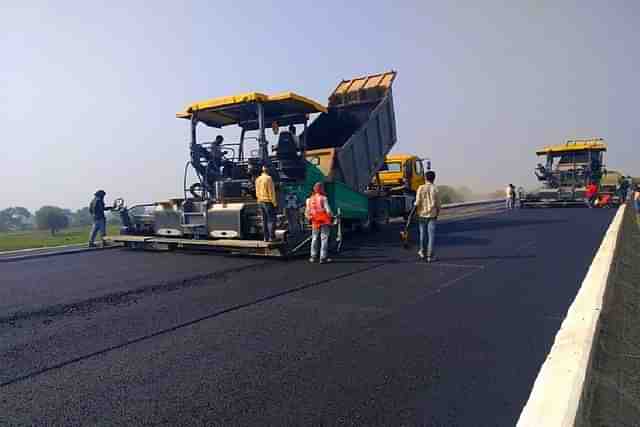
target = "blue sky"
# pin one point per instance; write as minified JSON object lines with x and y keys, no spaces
{"x":89,"y":90}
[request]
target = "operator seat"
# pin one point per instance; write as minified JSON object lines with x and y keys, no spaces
{"x":292,"y":164}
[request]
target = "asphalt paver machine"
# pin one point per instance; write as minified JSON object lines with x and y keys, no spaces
{"x":219,"y":209}
{"x":567,"y":170}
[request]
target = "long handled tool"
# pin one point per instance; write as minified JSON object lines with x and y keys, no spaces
{"x":338,"y":223}
{"x":404,"y":234}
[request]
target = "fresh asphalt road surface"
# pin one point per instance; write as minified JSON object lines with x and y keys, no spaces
{"x":376,"y":338}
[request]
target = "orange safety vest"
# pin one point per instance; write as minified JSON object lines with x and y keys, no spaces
{"x":317,"y":212}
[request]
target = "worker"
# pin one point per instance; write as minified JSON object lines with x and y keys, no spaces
{"x":217,"y":154}
{"x":318,"y":212}
{"x":541,"y":172}
{"x":509,"y":196}
{"x":513,"y":196}
{"x":623,"y":190}
{"x":636,"y":198}
{"x":97,"y":208}
{"x":427,"y":208}
{"x":591,"y":194}
{"x":292,"y":131}
{"x":291,"y":210}
{"x":266,"y":195}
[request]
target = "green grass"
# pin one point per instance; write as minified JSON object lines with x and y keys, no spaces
{"x":16,"y":240}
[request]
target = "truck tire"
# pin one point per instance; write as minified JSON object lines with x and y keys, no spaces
{"x":382,"y":219}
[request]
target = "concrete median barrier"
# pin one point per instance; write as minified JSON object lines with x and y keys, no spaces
{"x":559,"y":396}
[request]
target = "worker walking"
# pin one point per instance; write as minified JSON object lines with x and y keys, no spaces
{"x":510,"y":196}
{"x":317,"y":211}
{"x":427,"y":210}
{"x":266,"y":195}
{"x":97,"y":208}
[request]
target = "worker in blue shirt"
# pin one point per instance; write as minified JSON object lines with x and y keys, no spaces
{"x":97,"y":208}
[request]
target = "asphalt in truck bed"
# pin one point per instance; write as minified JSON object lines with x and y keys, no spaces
{"x":376,"y":338}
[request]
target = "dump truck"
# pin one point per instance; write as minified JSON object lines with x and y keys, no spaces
{"x":399,"y":179}
{"x":344,"y":147}
{"x":567,"y":170}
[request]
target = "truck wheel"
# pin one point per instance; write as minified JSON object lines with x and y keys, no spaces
{"x":382,"y":220}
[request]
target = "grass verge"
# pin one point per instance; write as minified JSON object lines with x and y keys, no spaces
{"x":31,"y":239}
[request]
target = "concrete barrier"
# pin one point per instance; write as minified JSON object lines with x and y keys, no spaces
{"x":474,"y":203}
{"x":558,"y":393}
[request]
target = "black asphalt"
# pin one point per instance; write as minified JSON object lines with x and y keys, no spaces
{"x":376,"y":338}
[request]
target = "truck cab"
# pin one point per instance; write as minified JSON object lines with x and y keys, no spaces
{"x":401,"y":173}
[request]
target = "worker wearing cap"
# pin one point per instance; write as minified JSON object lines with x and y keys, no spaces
{"x":266,"y":195}
{"x":319,"y":213}
{"x":427,"y":210}
{"x":97,"y":208}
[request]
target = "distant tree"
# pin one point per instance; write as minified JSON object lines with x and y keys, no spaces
{"x":465,"y":193}
{"x":5,"y":220}
{"x":448,"y":195}
{"x":14,"y":218}
{"x":82,"y":217}
{"x":52,"y":218}
{"x":20,"y":211}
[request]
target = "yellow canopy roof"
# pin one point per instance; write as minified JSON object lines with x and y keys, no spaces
{"x":591,"y":144}
{"x":239,"y":109}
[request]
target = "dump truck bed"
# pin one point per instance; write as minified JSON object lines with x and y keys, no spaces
{"x":360,"y":125}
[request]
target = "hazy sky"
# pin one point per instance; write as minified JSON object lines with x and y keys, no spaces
{"x":89,"y":90}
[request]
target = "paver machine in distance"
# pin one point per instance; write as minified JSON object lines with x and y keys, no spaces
{"x":567,"y":170}
{"x":344,"y":147}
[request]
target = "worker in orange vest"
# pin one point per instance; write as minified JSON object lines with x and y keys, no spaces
{"x":319,"y":213}
{"x":591,"y":194}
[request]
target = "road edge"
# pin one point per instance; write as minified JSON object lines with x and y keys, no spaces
{"x":558,"y":391}
{"x":53,"y":252}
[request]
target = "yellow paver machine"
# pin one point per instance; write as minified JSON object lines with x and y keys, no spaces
{"x":567,"y":170}
{"x":344,"y":146}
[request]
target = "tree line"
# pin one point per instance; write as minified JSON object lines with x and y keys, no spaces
{"x":52,"y":218}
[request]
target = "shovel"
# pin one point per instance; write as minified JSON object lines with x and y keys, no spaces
{"x":404,"y":234}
